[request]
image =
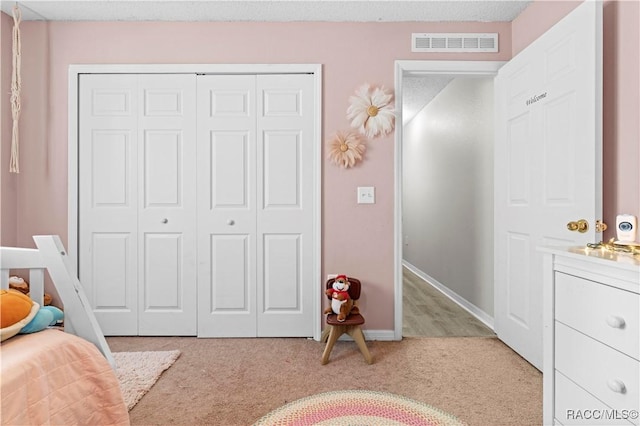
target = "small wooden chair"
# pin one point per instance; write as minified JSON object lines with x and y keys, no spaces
{"x":350,"y":326}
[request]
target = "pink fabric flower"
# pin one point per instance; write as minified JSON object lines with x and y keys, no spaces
{"x":346,"y":149}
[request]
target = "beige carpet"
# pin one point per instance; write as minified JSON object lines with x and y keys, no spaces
{"x":237,"y":381}
{"x":138,"y":371}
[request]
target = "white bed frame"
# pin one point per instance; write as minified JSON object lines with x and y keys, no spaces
{"x":50,"y":255}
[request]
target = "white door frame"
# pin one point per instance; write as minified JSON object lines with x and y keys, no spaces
{"x":455,"y":68}
{"x":74,"y":78}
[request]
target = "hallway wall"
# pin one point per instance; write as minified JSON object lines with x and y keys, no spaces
{"x":448,"y":190}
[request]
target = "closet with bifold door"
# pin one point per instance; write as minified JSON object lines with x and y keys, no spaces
{"x":196,"y":203}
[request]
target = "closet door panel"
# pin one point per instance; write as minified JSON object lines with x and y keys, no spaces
{"x":163,"y":172}
{"x":111,"y":269}
{"x":285,"y":200}
{"x":226,"y":206}
{"x":282,"y":157}
{"x":167,"y":204}
{"x":162,"y":271}
{"x":282,"y":273}
{"x":110,"y":163}
{"x":107,"y":237}
{"x":229,"y":175}
{"x":230,"y":264}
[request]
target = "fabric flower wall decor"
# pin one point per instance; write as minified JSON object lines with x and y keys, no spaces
{"x":372,"y":111}
{"x":346,"y":149}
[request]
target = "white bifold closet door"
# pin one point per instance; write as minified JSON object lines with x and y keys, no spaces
{"x":196,"y":203}
{"x":137,"y":218}
{"x":255,"y":205}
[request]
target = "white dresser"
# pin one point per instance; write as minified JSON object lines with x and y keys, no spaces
{"x":591,"y":349}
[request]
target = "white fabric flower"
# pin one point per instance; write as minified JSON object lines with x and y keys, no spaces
{"x":346,"y":149}
{"x":372,"y":111}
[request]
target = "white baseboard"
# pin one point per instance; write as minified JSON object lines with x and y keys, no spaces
{"x":478,"y":313}
{"x":385,"y":335}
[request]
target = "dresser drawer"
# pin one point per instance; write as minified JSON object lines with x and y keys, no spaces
{"x":605,"y":313}
{"x":576,"y":406}
{"x":607,"y":374}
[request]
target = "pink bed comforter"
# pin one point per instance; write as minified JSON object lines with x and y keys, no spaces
{"x":55,"y":378}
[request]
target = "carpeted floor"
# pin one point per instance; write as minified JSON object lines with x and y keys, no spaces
{"x":137,"y":372}
{"x":237,"y":381}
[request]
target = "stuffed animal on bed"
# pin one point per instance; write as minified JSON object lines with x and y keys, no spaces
{"x":20,"y":314}
{"x":18,"y":283}
{"x":46,"y":317}
{"x":16,"y":311}
{"x":341,"y":302}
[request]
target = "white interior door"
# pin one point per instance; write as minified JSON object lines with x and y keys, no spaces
{"x":167,"y":205}
{"x":108,"y":207}
{"x":255,"y":205}
{"x":226,"y":206}
{"x":137,"y":203}
{"x":285,"y":205}
{"x":547,"y":165}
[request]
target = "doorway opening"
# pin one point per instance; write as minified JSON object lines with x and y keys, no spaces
{"x":444,"y":203}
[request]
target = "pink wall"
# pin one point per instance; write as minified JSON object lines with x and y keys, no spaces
{"x":621,"y":95}
{"x":8,"y":181}
{"x":621,"y":110}
{"x":357,"y":239}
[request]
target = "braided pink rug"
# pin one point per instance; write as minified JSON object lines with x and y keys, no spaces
{"x":357,"y":407}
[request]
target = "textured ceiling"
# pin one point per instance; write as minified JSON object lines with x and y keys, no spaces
{"x":418,"y":90}
{"x":266,"y":10}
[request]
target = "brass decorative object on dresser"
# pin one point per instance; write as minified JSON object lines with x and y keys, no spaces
{"x":591,"y":349}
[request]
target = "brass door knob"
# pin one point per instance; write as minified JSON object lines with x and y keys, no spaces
{"x":581,"y":226}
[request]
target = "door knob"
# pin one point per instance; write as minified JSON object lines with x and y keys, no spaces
{"x":581,"y":226}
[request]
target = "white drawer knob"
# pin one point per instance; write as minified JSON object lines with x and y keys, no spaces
{"x":616,"y":385}
{"x":231,"y":222}
{"x":615,"y":322}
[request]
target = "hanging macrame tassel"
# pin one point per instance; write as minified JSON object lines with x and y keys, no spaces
{"x":16,"y":84}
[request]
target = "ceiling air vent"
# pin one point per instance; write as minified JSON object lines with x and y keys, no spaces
{"x":454,"y":42}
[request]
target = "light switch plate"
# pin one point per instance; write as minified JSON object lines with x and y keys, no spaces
{"x":366,"y":195}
